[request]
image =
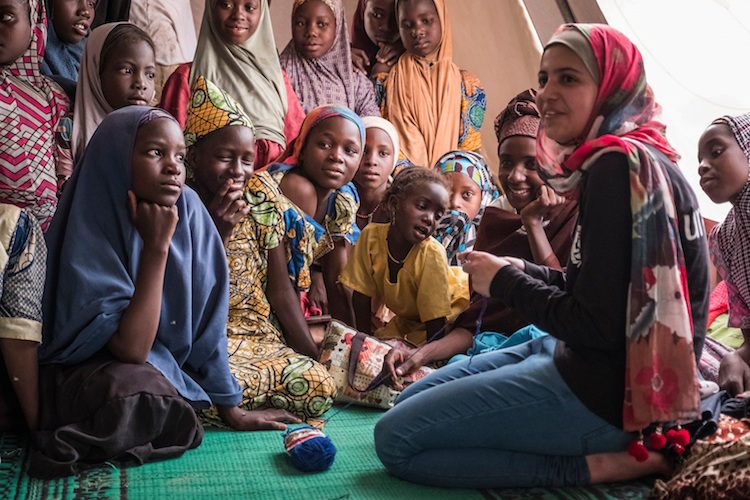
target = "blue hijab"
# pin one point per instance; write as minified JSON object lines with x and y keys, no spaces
{"x":94,"y":251}
{"x":61,"y":60}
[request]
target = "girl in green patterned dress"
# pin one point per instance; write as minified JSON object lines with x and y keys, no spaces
{"x":271,"y":239}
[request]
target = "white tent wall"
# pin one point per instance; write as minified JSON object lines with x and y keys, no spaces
{"x":693,"y":51}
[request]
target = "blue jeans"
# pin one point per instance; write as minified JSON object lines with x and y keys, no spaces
{"x":496,"y":420}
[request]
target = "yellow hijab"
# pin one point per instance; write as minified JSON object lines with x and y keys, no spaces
{"x":424,"y":99}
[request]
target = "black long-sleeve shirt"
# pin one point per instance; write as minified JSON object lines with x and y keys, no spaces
{"x":585,"y":308}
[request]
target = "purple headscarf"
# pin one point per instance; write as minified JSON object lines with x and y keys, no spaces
{"x":330,"y":79}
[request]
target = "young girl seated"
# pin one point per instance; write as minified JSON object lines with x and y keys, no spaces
{"x":405,"y":267}
{"x":275,"y":223}
{"x":471,"y":190}
{"x":378,"y":162}
{"x":68,"y":26}
{"x":23,"y":260}
{"x":376,"y":42}
{"x":508,"y":228}
{"x":135,"y":307}
{"x":319,"y":63}
{"x":31,"y":106}
{"x":237,"y":52}
{"x":117,"y":70}
{"x":724,"y":156}
{"x":435,"y":106}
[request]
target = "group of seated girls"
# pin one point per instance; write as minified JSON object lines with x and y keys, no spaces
{"x":167,"y":259}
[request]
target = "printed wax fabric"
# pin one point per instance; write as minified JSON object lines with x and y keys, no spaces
{"x":32,"y":105}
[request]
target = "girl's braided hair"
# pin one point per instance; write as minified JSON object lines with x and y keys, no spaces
{"x":409,"y":180}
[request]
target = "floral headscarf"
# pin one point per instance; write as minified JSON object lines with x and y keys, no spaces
{"x":455,"y":231}
{"x":210,"y":109}
{"x":659,"y":333}
{"x":316,"y":116}
{"x":728,"y":241}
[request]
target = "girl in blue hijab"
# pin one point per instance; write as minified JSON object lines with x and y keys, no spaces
{"x":135,"y":307}
{"x":68,"y":25}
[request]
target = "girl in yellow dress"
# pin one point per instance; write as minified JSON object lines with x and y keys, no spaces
{"x":403,"y":265}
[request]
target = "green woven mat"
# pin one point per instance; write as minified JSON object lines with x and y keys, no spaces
{"x":253,"y":465}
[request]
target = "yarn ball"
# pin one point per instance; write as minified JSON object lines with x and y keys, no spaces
{"x":308,"y":449}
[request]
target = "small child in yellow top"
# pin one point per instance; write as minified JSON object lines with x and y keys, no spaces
{"x":402,"y":264}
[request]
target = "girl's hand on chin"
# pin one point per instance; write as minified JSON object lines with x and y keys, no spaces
{"x":227,"y":209}
{"x":155,"y":223}
{"x":545,"y":201}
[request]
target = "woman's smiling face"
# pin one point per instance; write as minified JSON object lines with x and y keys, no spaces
{"x":567,"y":94}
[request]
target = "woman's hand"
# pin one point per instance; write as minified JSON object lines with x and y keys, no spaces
{"x":256,"y":420}
{"x":360,"y":61}
{"x":734,"y":373}
{"x":546,"y":200}
{"x":227,"y":208}
{"x":155,"y":223}
{"x":482,"y":268}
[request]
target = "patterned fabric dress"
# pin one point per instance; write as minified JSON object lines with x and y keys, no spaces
{"x":23,"y":258}
{"x":473,"y":107}
{"x":729,"y":240}
{"x":31,"y":106}
{"x":270,"y":372}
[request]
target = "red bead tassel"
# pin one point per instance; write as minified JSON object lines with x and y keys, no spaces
{"x":638,"y":450}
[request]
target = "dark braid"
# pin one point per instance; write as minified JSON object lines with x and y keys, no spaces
{"x":409,"y":179}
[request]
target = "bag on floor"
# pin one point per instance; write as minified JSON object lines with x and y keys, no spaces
{"x":354,"y":359}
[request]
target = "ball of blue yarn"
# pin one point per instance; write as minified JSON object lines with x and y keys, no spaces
{"x":309,"y":450}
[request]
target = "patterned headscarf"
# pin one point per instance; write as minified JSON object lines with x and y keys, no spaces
{"x":31,"y":105}
{"x":624,"y":107}
{"x":312,"y":119}
{"x":520,"y":117}
{"x":728,"y":241}
{"x":250,"y":72}
{"x":455,"y":231}
{"x":330,"y":79}
{"x":210,"y":109}
{"x":659,"y":331}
